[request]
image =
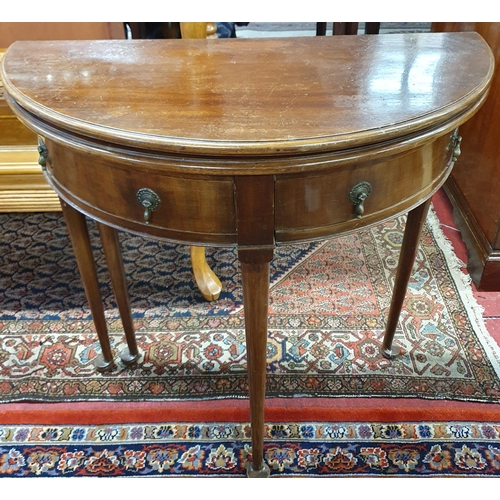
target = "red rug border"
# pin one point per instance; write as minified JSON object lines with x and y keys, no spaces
{"x":277,"y":410}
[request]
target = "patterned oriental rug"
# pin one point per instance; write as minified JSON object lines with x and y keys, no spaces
{"x":221,"y":449}
{"x":328,"y":306}
{"x":431,"y":412}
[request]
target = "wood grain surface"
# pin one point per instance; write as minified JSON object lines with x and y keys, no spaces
{"x":475,"y":181}
{"x":248,"y":142}
{"x":249,"y":95}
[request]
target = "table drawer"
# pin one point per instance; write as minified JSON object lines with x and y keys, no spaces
{"x":189,"y":208}
{"x":319,"y":205}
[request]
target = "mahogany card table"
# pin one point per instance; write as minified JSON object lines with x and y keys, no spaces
{"x":246,"y":142}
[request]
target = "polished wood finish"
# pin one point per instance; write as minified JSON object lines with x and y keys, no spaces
{"x":255,"y":279}
{"x":111,"y":246}
{"x":413,"y":230}
{"x":398,"y":184}
{"x":11,"y":32}
{"x":198,"y":30}
{"x":474,"y":185}
{"x":254,"y":198}
{"x":79,"y":236}
{"x":206,"y":280}
{"x":213,"y":108}
{"x":250,"y":142}
{"x":208,"y":283}
{"x":22,"y":185}
{"x":183,"y":215}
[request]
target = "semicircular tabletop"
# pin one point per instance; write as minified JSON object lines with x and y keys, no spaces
{"x":233,"y":95}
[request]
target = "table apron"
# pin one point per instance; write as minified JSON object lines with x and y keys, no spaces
{"x":202,"y":209}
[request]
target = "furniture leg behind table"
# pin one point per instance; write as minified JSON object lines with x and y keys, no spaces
{"x":208,"y":283}
{"x":79,"y":235}
{"x":413,"y":230}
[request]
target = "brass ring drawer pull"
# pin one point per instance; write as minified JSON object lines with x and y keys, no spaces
{"x":358,"y":195}
{"x":149,"y":200}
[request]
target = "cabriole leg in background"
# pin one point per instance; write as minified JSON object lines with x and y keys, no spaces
{"x":79,"y":235}
{"x":414,"y":225}
{"x":208,"y":283}
{"x":111,"y":246}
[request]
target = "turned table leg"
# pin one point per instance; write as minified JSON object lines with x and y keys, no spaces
{"x":111,"y":246}
{"x":78,"y":233}
{"x":255,"y":278}
{"x":208,"y":283}
{"x":414,"y":225}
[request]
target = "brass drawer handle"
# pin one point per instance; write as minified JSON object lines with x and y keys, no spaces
{"x":455,"y":145}
{"x":149,"y":200}
{"x":43,"y":152}
{"x":358,"y":195}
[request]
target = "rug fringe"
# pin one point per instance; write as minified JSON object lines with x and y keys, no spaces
{"x":463,"y":283}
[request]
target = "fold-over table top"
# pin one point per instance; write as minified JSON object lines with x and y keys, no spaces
{"x":247,"y":96}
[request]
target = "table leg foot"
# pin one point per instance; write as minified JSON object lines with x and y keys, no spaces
{"x":102,"y":365}
{"x":128,"y":358}
{"x":262,"y":472}
{"x":391,"y":353}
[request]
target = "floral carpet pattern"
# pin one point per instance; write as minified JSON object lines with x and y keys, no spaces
{"x":328,"y":306}
{"x":422,"y":449}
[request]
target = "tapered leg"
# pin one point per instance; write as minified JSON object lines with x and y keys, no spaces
{"x":208,"y":283}
{"x":111,"y":246}
{"x":78,"y":233}
{"x":255,"y":279}
{"x":255,"y":226}
{"x":414,"y":225}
